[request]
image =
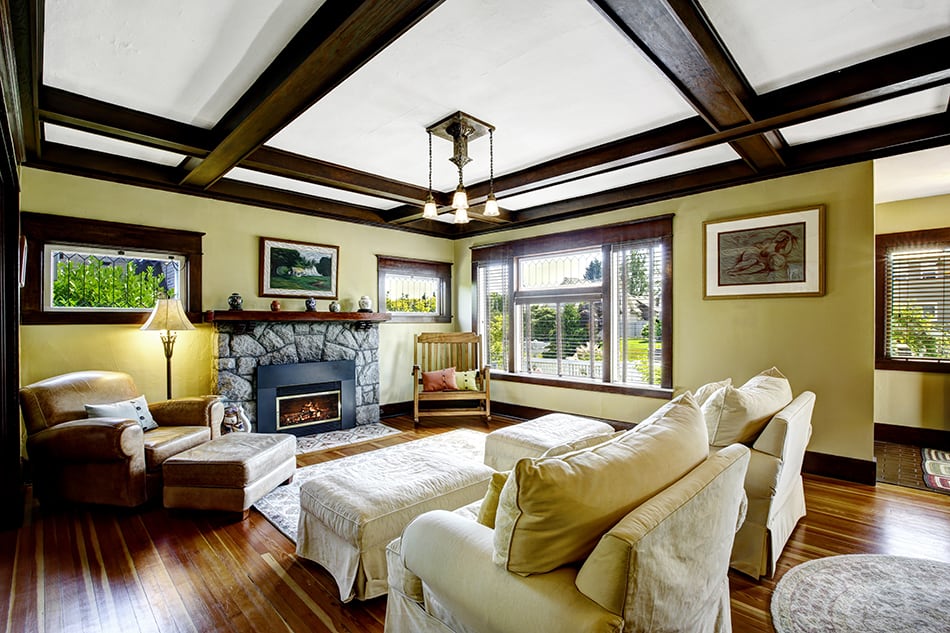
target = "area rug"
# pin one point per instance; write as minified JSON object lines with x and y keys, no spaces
{"x":282,"y":505}
{"x":936,"y":466}
{"x":863,"y":593}
{"x":333,"y":439}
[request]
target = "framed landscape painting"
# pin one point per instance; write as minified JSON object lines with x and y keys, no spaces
{"x":298,"y":269}
{"x":778,"y":254}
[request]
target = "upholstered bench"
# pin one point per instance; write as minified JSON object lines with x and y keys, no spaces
{"x":229,"y":473}
{"x":360,"y":503}
{"x":505,"y":446}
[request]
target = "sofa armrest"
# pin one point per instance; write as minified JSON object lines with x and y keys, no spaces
{"x":789,"y":430}
{"x":93,"y":439}
{"x":452,"y":555}
{"x":194,"y":411}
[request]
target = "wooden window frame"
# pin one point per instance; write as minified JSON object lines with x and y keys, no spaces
{"x":404,"y":265}
{"x":40,"y":229}
{"x":659,"y":227}
{"x":884,"y":243}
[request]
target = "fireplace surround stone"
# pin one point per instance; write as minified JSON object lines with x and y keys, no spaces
{"x":242,"y":346}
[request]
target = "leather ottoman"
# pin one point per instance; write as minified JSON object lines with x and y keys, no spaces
{"x":229,"y":473}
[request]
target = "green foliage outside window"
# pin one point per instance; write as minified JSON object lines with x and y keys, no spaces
{"x":422,"y":304}
{"x":95,"y":284}
{"x":920,"y":333}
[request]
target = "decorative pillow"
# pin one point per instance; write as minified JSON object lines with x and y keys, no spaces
{"x":489,"y":507}
{"x":553,"y":510}
{"x":702,"y":394}
{"x":466,"y":380}
{"x":580,"y":444}
{"x":738,"y":415}
{"x":439,"y":380}
{"x":134,"y":409}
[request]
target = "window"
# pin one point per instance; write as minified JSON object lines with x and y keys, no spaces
{"x":913,"y":301}
{"x":588,"y":309}
{"x":415,"y":290}
{"x":91,"y":271}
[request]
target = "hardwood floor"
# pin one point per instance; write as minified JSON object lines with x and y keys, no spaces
{"x":100,"y":569}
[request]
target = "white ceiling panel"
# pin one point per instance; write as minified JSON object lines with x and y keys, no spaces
{"x":781,"y":42}
{"x":915,"y":175}
{"x":622,"y":177}
{"x":107,"y":145}
{"x":924,"y":103}
{"x":180,"y":59}
{"x":308,"y":188}
{"x":551,"y":75}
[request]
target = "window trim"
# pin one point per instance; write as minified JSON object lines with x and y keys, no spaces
{"x":41,"y":228}
{"x":404,"y":265}
{"x":657,"y":227}
{"x":883,"y":243}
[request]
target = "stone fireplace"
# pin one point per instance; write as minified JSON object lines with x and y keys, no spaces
{"x":248,"y":340}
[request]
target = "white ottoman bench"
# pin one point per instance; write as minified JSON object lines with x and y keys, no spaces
{"x":360,"y":503}
{"x":505,"y":446}
{"x":230,"y":472}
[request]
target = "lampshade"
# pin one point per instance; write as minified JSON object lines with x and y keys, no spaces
{"x":491,"y":206}
{"x":461,"y":215}
{"x":460,"y":199}
{"x":430,"y":211}
{"x":168,"y":314}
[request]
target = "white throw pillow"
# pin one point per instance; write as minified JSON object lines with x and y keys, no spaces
{"x":134,"y":409}
{"x":578,"y":444}
{"x":738,"y":415}
{"x":702,"y":394}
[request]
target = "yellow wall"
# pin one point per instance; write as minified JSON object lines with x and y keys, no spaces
{"x":230,"y":264}
{"x":823,"y":344}
{"x":907,"y":398}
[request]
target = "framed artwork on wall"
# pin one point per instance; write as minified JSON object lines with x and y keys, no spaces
{"x":298,"y":269}
{"x":776,"y":254}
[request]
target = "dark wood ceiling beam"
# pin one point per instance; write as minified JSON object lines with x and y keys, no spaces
{"x":678,"y":39}
{"x":26,"y":25}
{"x":92,"y":115}
{"x":290,"y":165}
{"x":340,"y":37}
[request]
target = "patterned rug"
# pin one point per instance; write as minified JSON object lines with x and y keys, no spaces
{"x":863,"y":593}
{"x":936,"y":465}
{"x":333,"y":439}
{"x":282,"y":505}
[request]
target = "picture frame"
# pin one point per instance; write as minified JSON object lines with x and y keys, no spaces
{"x":774,"y":254}
{"x":289,"y":268}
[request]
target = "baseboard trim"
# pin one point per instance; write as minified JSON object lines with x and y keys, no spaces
{"x":859,"y":471}
{"x":913,"y":435}
{"x":395,"y":408}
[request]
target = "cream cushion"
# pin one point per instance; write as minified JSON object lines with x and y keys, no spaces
{"x":702,"y":394}
{"x":738,"y":415}
{"x":553,"y":510}
{"x":579,"y":444}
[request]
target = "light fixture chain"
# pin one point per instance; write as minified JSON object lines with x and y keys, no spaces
{"x":430,"y":162}
{"x":491,"y":161}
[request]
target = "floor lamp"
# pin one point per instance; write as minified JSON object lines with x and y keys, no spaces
{"x":167,"y":317}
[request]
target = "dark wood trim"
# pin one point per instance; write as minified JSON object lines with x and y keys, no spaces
{"x":40,"y":229}
{"x":339,"y":38}
{"x":599,"y":387}
{"x":883,"y":243}
{"x":26,"y":26}
{"x":287,"y":315}
{"x":938,"y":439}
{"x":442,"y":270}
{"x":393,"y":409}
{"x":860,"y":471}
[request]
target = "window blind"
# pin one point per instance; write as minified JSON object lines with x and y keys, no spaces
{"x":917,"y":316}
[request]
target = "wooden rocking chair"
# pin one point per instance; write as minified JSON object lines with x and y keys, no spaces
{"x":435,"y":351}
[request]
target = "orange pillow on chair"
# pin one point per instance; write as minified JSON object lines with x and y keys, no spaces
{"x":439,"y":380}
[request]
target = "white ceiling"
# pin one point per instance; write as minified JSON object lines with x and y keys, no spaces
{"x":553,"y":77}
{"x":915,"y":175}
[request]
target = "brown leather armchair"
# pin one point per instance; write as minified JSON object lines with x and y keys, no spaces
{"x":106,"y":460}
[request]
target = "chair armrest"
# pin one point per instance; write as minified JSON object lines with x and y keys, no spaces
{"x":452,"y":555}
{"x":194,"y":411}
{"x":789,"y":430}
{"x":93,"y":439}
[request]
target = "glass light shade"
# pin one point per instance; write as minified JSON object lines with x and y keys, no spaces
{"x":429,"y":210}
{"x":461,"y":216}
{"x":168,"y":314}
{"x":460,"y":199}
{"x":491,"y":206}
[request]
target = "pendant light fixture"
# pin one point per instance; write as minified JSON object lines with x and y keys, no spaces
{"x":460,"y":128}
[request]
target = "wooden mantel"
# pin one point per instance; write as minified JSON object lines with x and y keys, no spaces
{"x":281,"y":315}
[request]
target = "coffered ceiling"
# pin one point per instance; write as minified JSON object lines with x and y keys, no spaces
{"x":321,"y":108}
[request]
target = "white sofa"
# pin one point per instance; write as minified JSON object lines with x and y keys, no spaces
{"x":650,"y":551}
